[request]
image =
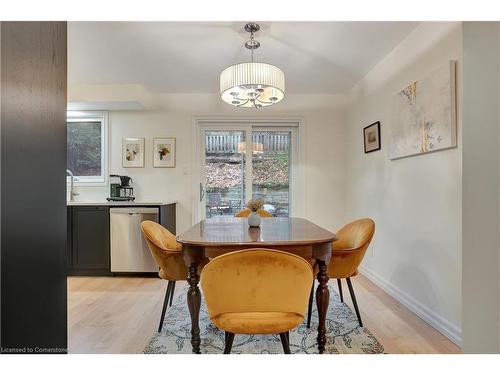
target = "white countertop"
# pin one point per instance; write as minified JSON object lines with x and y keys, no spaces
{"x":119,"y":203}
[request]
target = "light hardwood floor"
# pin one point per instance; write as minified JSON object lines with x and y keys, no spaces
{"x":120,"y":314}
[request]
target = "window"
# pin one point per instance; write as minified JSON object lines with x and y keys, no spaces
{"x":230,"y":175}
{"x":86,"y":146}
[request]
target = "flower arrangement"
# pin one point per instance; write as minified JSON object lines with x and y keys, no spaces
{"x":255,"y":204}
{"x":163,"y":151}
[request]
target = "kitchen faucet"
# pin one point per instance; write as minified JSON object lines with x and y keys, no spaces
{"x":72,"y":193}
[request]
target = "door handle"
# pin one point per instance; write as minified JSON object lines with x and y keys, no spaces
{"x":202,"y":192}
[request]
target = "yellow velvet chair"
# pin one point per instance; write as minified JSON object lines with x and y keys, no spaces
{"x":256,"y":291}
{"x":168,"y":255}
{"x":347,"y":253}
{"x":246,"y":212}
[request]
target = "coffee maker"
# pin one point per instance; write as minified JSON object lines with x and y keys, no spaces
{"x":120,"y":189}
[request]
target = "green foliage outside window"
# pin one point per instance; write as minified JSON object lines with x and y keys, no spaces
{"x":84,"y":148}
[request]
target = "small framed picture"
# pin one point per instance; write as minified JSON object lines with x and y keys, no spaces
{"x":133,"y":153}
{"x":371,"y":134}
{"x":164,"y":152}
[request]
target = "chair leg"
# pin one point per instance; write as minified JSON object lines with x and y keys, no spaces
{"x":165,"y":304}
{"x":229,"y":342}
{"x":172,"y":293}
{"x":353,"y":298}
{"x":339,"y":283}
{"x":285,"y":343}
{"x":309,"y":309}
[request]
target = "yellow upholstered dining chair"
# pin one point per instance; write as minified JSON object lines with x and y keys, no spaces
{"x":246,"y":212}
{"x":168,"y":255}
{"x":257,"y":291}
{"x":348,"y":251}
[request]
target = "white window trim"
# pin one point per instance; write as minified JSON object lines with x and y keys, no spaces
{"x":77,"y":116}
{"x":297,"y":177}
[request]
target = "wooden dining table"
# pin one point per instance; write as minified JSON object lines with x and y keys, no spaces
{"x":220,"y":235}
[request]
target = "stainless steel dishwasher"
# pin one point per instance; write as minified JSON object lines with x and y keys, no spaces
{"x":129,"y":251}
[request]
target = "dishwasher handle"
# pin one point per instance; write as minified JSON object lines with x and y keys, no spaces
{"x":134,"y":210}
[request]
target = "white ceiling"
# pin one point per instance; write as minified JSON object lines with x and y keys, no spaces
{"x":180,"y":57}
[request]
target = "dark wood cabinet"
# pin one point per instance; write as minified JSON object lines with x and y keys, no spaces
{"x":168,"y":217}
{"x":88,"y":251}
{"x":90,"y":239}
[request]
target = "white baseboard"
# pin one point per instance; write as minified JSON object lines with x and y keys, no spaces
{"x":450,"y":330}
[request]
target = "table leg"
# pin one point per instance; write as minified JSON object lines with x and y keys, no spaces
{"x":322,"y":300}
{"x":194,"y":303}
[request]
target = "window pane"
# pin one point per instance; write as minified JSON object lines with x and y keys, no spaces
{"x":225,"y":171}
{"x":271,"y":170}
{"x":84,"y":155}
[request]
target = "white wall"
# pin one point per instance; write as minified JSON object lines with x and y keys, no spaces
{"x":481,"y":195}
{"x":172,"y":115}
{"x":416,"y":202}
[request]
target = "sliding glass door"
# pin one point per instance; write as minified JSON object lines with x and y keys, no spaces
{"x":224,"y":167}
{"x":271,"y":169}
{"x":245,"y":161}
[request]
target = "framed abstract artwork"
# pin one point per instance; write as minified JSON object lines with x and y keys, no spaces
{"x":371,"y":135}
{"x":133,"y":152}
{"x":164,"y":152}
{"x":424,"y":114}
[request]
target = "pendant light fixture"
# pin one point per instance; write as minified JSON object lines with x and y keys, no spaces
{"x":252,"y":84}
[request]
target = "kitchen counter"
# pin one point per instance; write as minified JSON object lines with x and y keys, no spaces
{"x":129,"y":203}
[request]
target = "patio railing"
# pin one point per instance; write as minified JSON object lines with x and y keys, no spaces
{"x":233,"y":143}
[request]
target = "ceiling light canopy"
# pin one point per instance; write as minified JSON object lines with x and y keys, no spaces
{"x":252,"y":84}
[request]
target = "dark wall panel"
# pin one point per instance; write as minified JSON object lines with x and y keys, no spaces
{"x":33,"y":165}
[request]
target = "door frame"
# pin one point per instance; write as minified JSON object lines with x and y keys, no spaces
{"x":297,"y":172}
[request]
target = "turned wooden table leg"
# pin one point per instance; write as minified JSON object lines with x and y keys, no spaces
{"x":194,"y":303}
{"x":322,"y":300}
{"x":193,"y":257}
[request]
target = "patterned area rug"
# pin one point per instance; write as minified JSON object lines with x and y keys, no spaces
{"x":344,"y":335}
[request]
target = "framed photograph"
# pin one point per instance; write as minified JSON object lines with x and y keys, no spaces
{"x":164,"y":152}
{"x":133,"y":153}
{"x":371,"y":134}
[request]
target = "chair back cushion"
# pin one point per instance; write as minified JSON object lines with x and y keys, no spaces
{"x":256,"y":280}
{"x":350,"y":248}
{"x":159,"y":235}
{"x":355,"y":234}
{"x":165,"y":250}
{"x":246,"y":212}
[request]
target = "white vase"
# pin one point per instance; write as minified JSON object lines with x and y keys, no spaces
{"x":254,"y":219}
